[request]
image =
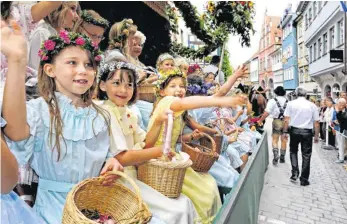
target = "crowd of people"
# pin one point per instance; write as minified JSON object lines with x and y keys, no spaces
{"x":333,"y":129}
{"x":70,"y":112}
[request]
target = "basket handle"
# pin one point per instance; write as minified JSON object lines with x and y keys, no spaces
{"x":132,"y":183}
{"x":168,"y":135}
{"x":214,"y":147}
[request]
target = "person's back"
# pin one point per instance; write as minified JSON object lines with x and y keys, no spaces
{"x":302,"y":113}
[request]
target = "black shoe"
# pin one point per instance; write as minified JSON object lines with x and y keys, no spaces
{"x":294,"y":177}
{"x":304,"y":183}
{"x":275,"y":161}
{"x":282,"y":160}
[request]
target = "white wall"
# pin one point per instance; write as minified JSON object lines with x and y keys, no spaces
{"x":254,"y":73}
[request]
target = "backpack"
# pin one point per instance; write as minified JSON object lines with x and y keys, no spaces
{"x":281,"y":115}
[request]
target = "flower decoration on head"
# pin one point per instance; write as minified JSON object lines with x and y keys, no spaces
{"x":107,"y":68}
{"x":164,"y":75}
{"x":193,"y":68}
{"x":164,"y":57}
{"x":88,"y":18}
{"x":55,"y":44}
{"x":118,"y":40}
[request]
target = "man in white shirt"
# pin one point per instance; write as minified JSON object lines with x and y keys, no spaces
{"x":276,"y":107}
{"x":300,"y":116}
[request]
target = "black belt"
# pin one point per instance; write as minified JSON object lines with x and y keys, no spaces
{"x":305,"y":129}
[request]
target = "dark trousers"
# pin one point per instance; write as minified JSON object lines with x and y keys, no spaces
{"x":331,"y":137}
{"x":322,"y":130}
{"x":304,"y":138}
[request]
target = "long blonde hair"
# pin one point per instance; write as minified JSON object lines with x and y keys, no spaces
{"x":47,"y":89}
{"x":57,"y":17}
{"x":117,"y":30}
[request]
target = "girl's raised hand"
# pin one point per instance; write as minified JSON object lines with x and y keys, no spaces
{"x":112,"y":164}
{"x":13,"y":42}
{"x":241,"y":71}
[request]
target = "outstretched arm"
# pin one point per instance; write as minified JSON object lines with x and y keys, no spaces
{"x":42,"y":9}
{"x":195,"y":125}
{"x":193,"y":102}
{"x":13,"y":46}
{"x":225,"y":88}
{"x":133,"y":157}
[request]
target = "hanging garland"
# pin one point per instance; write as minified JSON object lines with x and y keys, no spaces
{"x":214,"y":26}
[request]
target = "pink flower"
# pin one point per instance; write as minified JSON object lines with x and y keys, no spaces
{"x":65,"y":36}
{"x":95,"y":45}
{"x":97,"y":58}
{"x":40,"y":52}
{"x":49,"y":45}
{"x":80,"y":41}
{"x":44,"y":58}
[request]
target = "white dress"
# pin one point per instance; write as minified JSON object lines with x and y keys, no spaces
{"x":126,"y":134}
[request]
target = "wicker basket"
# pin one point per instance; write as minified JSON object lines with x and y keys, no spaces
{"x":204,"y":157}
{"x":123,"y":205}
{"x":147,"y":92}
{"x":218,"y":138}
{"x":165,"y":176}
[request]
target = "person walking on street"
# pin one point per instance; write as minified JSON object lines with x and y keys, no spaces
{"x":276,"y":107}
{"x":299,"y":117}
{"x":341,"y":116}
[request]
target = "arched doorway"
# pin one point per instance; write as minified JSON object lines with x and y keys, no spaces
{"x":263,"y":85}
{"x":336,"y":91}
{"x":344,"y":87}
{"x":327,"y":91}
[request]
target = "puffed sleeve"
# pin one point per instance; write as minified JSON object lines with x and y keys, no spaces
{"x":23,"y":150}
{"x":139,"y":138}
{"x":163,"y":104}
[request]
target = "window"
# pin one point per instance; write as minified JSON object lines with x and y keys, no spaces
{"x":314,"y":51}
{"x":340,"y":31}
{"x":332,"y":38}
{"x":319,"y":47}
{"x":301,"y":51}
{"x":314,"y":9}
{"x":268,"y":39}
{"x":311,"y":54}
{"x":300,"y":30}
{"x":310,"y":16}
{"x":306,"y":21}
{"x":325,"y":43}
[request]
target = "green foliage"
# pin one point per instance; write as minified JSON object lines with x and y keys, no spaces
{"x":226,"y":67}
{"x":214,"y":26}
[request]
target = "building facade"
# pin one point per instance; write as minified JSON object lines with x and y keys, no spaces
{"x":270,"y":35}
{"x":289,"y":50}
{"x":254,"y":71}
{"x":277,"y":68}
{"x":305,"y":79}
{"x":324,"y":31}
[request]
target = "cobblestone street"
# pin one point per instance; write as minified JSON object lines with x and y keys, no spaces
{"x":322,"y":202}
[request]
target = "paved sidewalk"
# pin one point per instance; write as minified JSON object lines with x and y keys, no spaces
{"x":322,"y":202}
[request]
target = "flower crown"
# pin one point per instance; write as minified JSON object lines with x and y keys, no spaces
{"x":107,"y":68}
{"x":88,"y":18}
{"x":193,"y":68}
{"x":164,"y":57}
{"x":54,"y":44}
{"x":118,"y":40}
{"x":164,"y":75}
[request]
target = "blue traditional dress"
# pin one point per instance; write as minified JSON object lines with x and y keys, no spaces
{"x":82,"y":153}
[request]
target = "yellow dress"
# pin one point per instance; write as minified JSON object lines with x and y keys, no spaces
{"x":201,"y":188}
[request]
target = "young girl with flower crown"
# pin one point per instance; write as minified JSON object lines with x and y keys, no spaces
{"x":171,"y":89}
{"x":117,"y":89}
{"x":62,"y":134}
